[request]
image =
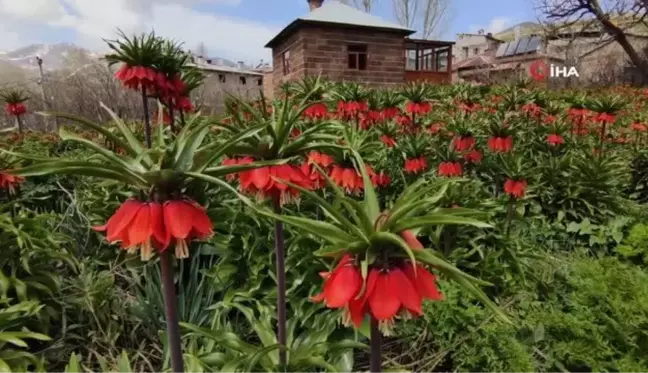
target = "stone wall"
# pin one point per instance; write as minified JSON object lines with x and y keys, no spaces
{"x":323,"y":50}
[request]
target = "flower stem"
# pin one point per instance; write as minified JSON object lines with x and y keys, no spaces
{"x":281,"y":283}
{"x":172,"y":115}
{"x":19,"y":122}
{"x":376,"y":347}
{"x":509,"y":215}
{"x":147,"y":120}
{"x":173,"y":328}
{"x":604,"y":124}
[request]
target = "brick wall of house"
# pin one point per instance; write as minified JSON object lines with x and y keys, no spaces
{"x":268,"y":85}
{"x":294,"y":43}
{"x":325,"y":51}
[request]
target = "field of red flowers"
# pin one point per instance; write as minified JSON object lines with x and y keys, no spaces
{"x":336,"y":228}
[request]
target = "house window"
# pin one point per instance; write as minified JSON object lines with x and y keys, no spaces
{"x":476,"y":51}
{"x":465,"y":52}
{"x":441,"y":60}
{"x":286,"y":62}
{"x":260,"y":81}
{"x":357,"y":55}
{"x":243,"y":80}
{"x":426,"y":59}
{"x":221,"y":78}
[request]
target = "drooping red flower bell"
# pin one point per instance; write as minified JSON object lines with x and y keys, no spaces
{"x":500,"y":144}
{"x":15,"y":109}
{"x":415,"y":165}
{"x":136,"y":77}
{"x":388,"y":141}
{"x":347,"y":178}
{"x":389,"y":113}
{"x":450,"y":169}
{"x":316,"y":111}
{"x":473,"y":156}
{"x":418,"y":108}
{"x":555,"y":139}
{"x":9,"y":182}
{"x":341,"y":285}
{"x":267,"y":181}
{"x":137,"y":225}
{"x":515,"y":188}
{"x":463,"y":143}
{"x":184,"y":221}
{"x":184,"y":104}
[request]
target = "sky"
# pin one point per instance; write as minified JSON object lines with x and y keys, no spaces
{"x":233,"y":29}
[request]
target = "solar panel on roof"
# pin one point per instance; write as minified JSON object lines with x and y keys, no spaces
{"x":522,"y":44}
{"x":511,"y":49}
{"x":533,"y":45}
{"x":501,"y":49}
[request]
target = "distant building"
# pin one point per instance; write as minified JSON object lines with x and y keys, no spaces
{"x":595,"y":54}
{"x":342,"y":43}
{"x":222,"y":79}
{"x":470,"y":45}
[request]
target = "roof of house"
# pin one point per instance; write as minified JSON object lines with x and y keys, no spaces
{"x":489,"y":61}
{"x":336,"y":13}
{"x":487,"y":36}
{"x":225,"y":69}
{"x":486,"y":58}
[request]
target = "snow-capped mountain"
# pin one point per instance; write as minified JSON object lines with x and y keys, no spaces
{"x":54,"y":55}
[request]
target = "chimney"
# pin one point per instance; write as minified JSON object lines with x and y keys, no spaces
{"x":489,"y":34}
{"x":314,"y":4}
{"x":241,"y":65}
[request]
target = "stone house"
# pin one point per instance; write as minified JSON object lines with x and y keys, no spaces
{"x":470,"y":45}
{"x":221,"y":80}
{"x":342,"y":43}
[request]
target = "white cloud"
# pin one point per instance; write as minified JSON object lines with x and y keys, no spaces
{"x":34,"y":10}
{"x":92,"y":20}
{"x":496,"y":25}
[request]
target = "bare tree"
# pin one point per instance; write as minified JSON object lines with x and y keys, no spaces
{"x":365,"y":5}
{"x":429,"y":17}
{"x":614,"y":17}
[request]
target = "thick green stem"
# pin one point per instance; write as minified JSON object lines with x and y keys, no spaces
{"x":376,"y":347}
{"x":509,"y":215}
{"x":19,"y":122}
{"x":147,"y":120}
{"x":280,"y":253}
{"x":173,"y":327}
{"x":171,"y":116}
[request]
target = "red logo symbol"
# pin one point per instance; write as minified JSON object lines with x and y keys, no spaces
{"x":539,"y":70}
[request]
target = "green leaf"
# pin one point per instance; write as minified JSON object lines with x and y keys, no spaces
{"x":95,"y":127}
{"x":437,"y":219}
{"x":214,"y":151}
{"x":331,"y":211}
{"x":187,"y":144}
{"x":79,"y":168}
{"x":370,"y":199}
{"x":426,"y":256}
{"x":111,"y":157}
{"x":4,"y":367}
{"x":73,"y":365}
{"x":136,"y":145}
{"x":254,"y":360}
